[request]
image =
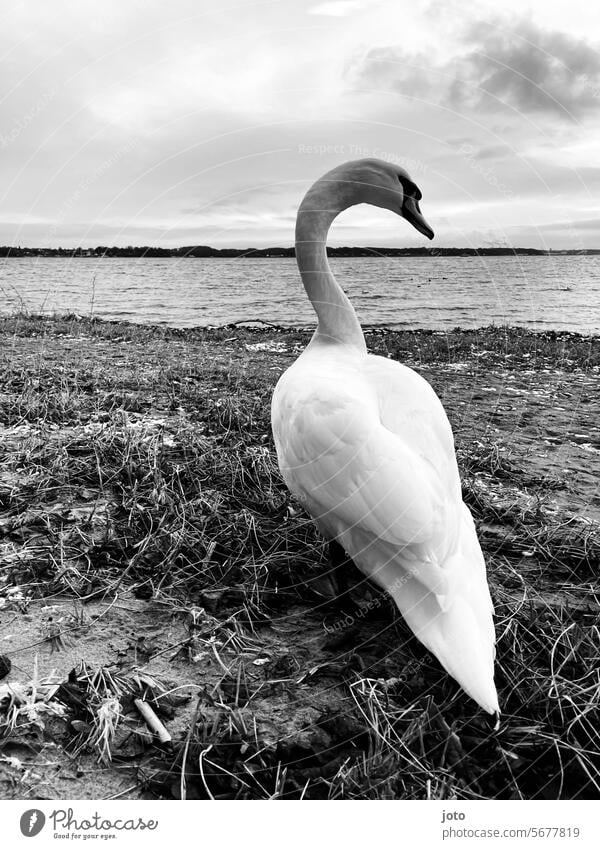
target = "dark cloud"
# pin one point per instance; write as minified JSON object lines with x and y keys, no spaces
{"x":534,"y":70}
{"x":524,"y":67}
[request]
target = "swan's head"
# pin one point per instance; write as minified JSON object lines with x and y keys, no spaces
{"x":379,"y":183}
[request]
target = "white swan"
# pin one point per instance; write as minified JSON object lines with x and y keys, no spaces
{"x":364,"y":443}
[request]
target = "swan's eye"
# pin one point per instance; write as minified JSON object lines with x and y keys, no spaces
{"x":410,"y":189}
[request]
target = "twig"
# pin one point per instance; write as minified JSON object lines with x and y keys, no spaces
{"x":152,"y":721}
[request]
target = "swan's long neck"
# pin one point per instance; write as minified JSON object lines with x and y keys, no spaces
{"x":338,"y":323}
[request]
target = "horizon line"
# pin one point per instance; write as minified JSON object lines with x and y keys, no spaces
{"x":291,"y":248}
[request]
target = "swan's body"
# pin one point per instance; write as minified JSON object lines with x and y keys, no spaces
{"x":366,"y":446}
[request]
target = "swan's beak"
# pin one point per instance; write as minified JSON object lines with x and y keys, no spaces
{"x":412,"y":213}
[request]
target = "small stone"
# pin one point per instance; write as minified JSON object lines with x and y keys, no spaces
{"x":5,"y":666}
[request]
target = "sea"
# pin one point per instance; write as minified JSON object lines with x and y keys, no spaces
{"x":554,"y":292}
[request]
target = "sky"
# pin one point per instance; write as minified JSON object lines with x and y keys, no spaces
{"x":135,"y":122}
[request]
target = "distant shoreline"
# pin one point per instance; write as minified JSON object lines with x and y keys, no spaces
{"x":206,"y":252}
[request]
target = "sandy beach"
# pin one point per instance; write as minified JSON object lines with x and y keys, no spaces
{"x":150,"y":550}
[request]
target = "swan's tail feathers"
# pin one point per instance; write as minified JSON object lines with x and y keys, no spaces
{"x":460,"y":637}
{"x":446,"y":604}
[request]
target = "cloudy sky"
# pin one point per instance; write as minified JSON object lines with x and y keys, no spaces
{"x":191,"y":122}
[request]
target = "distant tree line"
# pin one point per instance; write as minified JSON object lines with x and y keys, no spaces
{"x":204,"y":251}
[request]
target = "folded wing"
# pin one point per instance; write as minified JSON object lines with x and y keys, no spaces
{"x":374,"y":465}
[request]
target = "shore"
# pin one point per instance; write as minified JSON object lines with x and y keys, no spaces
{"x":149,"y":550}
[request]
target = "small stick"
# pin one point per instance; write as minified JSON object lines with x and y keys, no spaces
{"x":152,"y":721}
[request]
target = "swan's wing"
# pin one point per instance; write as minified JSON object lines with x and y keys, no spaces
{"x":457,"y":627}
{"x":372,"y":457}
{"x":352,"y":472}
{"x":409,"y":407}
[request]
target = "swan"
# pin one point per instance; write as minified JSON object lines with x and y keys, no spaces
{"x":364,"y":443}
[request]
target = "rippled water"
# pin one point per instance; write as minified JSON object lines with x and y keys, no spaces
{"x":560,"y":292}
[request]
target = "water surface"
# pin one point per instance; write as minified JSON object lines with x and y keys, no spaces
{"x":542,"y":292}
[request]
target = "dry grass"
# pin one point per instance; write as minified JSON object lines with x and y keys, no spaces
{"x":140,"y":460}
